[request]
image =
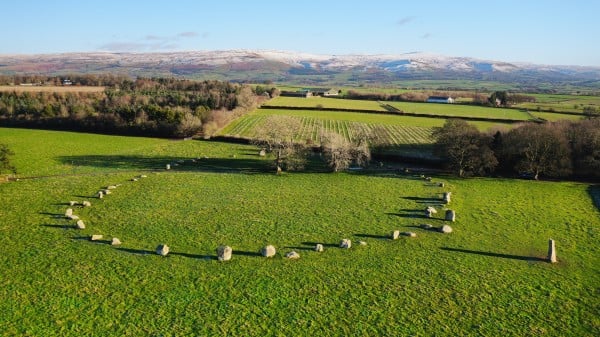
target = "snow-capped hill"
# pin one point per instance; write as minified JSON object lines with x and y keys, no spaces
{"x":275,"y":64}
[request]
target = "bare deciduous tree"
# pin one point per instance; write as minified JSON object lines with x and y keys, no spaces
{"x":276,"y":135}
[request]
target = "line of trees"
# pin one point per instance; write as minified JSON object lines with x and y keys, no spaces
{"x":558,"y":150}
{"x":153,"y":107}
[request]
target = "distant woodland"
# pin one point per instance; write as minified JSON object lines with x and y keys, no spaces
{"x":145,"y":106}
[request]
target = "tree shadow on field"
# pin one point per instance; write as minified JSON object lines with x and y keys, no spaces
{"x":504,"y":256}
{"x":135,"y":162}
{"x":594,"y":192}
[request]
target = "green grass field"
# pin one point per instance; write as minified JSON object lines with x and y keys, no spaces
{"x":487,"y":278}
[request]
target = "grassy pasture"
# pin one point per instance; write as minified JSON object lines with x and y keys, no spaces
{"x":314,"y":102}
{"x":50,"y":88}
{"x":566,"y":103}
{"x":486,"y":278}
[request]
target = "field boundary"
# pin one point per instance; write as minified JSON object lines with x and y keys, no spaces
{"x":396,"y":112}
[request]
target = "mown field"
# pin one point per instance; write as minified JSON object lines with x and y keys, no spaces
{"x":487,"y":278}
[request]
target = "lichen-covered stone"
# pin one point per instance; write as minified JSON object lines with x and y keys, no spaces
{"x":162,"y":250}
{"x":345,"y":243}
{"x":268,"y":251}
{"x":224,"y":253}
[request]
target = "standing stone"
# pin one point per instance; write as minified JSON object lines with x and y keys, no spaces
{"x":80,"y":224}
{"x":409,"y":234}
{"x":551,"y":251}
{"x":268,"y":251}
{"x":319,"y":248}
{"x":162,"y":250}
{"x":106,"y":191}
{"x":395,"y":235}
{"x":446,"y":229}
{"x":73,"y":217}
{"x":168,"y":167}
{"x":447,"y":196}
{"x":450,"y":215}
{"x":96,"y":237}
{"x":72,"y":203}
{"x":345,"y":243}
{"x":111,"y":187}
{"x":441,"y":184}
{"x":292,"y":255}
{"x":115,"y":242}
{"x":430,"y":211}
{"x":262,"y":153}
{"x":86,"y":204}
{"x":100,"y":195}
{"x":224,"y":253}
{"x":68,"y":212}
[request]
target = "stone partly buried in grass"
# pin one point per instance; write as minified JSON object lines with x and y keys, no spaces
{"x":115,"y":242}
{"x":96,"y":237}
{"x":162,"y":250}
{"x":224,"y":253}
{"x":292,"y":255}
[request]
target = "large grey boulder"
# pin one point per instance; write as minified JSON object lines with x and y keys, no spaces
{"x":162,"y":250}
{"x":450,"y":215}
{"x":445,"y":229}
{"x":96,"y":237}
{"x":430,"y":211}
{"x":224,"y":253}
{"x":345,"y":243}
{"x":80,"y":224}
{"x":268,"y":251}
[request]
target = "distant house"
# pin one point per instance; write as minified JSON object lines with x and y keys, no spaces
{"x":67,"y":82}
{"x":322,"y":91}
{"x":440,"y":99}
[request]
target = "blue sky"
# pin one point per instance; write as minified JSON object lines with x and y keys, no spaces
{"x":546,"y":32}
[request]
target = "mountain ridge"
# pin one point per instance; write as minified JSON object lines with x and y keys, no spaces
{"x":256,"y":65}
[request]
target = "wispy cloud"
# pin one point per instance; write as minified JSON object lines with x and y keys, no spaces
{"x":151,"y":42}
{"x":403,"y":21}
{"x":426,"y":36}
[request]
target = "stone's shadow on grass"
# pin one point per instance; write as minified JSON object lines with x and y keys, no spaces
{"x":594,"y":192}
{"x":54,"y":215}
{"x":421,"y":200}
{"x":503,"y":256}
{"x":136,"y":251}
{"x":194,"y":256}
{"x":87,"y":238}
{"x":313,"y":244}
{"x":58,"y":226}
{"x":245,"y":253}
{"x":409,"y":213}
{"x":300,"y":248}
{"x":372,"y":236}
{"x":134,"y":162}
{"x":432,"y":229}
